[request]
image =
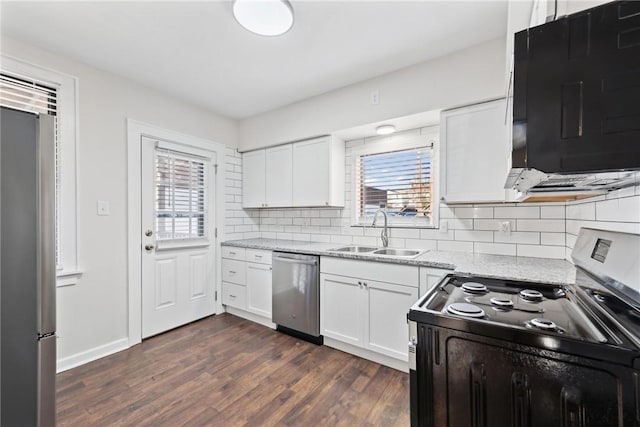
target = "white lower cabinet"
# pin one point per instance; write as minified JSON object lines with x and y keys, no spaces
{"x":342,"y":304}
{"x":259,"y":289}
{"x":429,"y":277}
{"x":366,"y":313}
{"x":246,"y":283}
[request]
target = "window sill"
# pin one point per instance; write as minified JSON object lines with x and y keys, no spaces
{"x":67,"y":278}
{"x":166,"y":245}
{"x":417,"y":226}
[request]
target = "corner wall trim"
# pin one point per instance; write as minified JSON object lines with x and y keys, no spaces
{"x":92,"y":354}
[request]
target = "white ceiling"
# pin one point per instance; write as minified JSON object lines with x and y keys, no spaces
{"x":197,"y":52}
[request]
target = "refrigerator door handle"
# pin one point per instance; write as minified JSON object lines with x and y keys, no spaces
{"x":46,"y":225}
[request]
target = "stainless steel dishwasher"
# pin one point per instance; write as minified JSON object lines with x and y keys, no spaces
{"x":296,"y":295}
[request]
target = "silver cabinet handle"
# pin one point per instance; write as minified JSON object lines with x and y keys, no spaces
{"x":231,"y":296}
{"x":232,"y":272}
{"x":232,"y":253}
{"x":258,"y":256}
{"x":148,"y":233}
{"x":364,"y":284}
{"x":149,"y":247}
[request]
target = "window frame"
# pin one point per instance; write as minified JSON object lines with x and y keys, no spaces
{"x":161,"y":149}
{"x":406,"y":140}
{"x":66,"y":87}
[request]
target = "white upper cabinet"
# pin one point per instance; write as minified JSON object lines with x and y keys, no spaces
{"x":278,"y":176}
{"x":253,"y":182}
{"x":305,"y":173}
{"x":475,"y":153}
{"x":318,"y":172}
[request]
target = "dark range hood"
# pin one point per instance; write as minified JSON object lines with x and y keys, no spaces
{"x":576,"y":103}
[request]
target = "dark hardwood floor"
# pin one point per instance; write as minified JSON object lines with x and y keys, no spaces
{"x":226,"y":371}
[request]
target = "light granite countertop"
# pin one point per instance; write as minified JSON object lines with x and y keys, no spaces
{"x":541,"y":270}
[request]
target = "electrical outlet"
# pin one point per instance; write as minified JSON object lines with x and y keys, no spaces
{"x":444,"y":227}
{"x":505,"y":227}
{"x":374,"y":97}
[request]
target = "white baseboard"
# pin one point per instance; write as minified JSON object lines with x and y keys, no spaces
{"x":382,"y":359}
{"x":250,"y":316}
{"x":91,"y":354}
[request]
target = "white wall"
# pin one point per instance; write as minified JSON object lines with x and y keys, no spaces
{"x":464,"y":77}
{"x":92,"y":314}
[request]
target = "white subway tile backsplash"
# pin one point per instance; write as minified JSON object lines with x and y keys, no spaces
{"x":460,"y":224}
{"x":435,"y":234}
{"x":489,"y":224}
{"x":541,"y":251}
{"x":585,"y":211}
{"x":554,"y":239}
{"x":528,"y":237}
{"x":425,"y":245}
{"x":626,"y":209}
{"x":450,"y":245}
{"x":517,"y":212}
{"x":474,"y":212}
{"x":545,"y":230}
{"x":550,"y":225}
{"x":495,"y":248}
{"x":473,"y":236}
{"x":552,"y":212}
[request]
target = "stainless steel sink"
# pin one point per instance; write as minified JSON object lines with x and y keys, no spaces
{"x":397,"y":252}
{"x":355,"y":249}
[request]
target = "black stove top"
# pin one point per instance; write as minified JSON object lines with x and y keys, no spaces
{"x":533,"y":307}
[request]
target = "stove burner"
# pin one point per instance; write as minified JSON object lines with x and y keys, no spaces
{"x":474,"y":287}
{"x":502,"y":302}
{"x":465,"y":310}
{"x":531,"y":295}
{"x":544,"y":324}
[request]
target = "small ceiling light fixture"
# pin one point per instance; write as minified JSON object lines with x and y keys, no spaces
{"x":385,"y":129}
{"x":264,"y":17}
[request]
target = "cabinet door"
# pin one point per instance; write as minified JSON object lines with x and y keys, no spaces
{"x":278,"y":176}
{"x":258,"y":279}
{"x":253,"y":182}
{"x":342,"y":309}
{"x":429,"y":277}
{"x":311,"y":172}
{"x":385,"y":326}
{"x":474,"y":153}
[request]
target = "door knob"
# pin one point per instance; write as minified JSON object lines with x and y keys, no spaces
{"x":149,"y":247}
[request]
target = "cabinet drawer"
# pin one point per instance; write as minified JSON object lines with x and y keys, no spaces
{"x":259,"y":256}
{"x":230,"y":252}
{"x":233,"y":271}
{"x":406,"y":275}
{"x":234,"y":295}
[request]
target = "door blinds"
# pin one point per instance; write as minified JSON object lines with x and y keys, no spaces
{"x":181,"y":196}
{"x":30,"y":95}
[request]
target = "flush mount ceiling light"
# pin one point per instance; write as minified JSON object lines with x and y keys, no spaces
{"x":385,"y":129}
{"x":264,"y":17}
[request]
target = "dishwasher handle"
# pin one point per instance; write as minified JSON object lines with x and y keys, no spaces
{"x":295,"y":261}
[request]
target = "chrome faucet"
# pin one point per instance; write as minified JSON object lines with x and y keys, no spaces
{"x":384,"y":236}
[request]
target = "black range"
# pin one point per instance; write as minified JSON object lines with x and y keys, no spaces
{"x":493,"y":352}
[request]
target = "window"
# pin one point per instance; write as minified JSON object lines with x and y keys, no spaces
{"x":181,"y":183}
{"x":32,"y":96}
{"x":32,"y":88}
{"x":397,"y":174}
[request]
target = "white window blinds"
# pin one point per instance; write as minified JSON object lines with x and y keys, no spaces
{"x":27,"y":94}
{"x":181,"y":196}
{"x":400,"y":181}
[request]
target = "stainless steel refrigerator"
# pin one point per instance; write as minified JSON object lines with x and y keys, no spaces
{"x":27,"y":269}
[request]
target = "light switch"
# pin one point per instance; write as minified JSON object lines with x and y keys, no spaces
{"x":103,"y":207}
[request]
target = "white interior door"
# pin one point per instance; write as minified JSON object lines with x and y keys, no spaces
{"x":178,"y":222}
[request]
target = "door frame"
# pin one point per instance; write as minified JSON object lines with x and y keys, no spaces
{"x":135,"y":131}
